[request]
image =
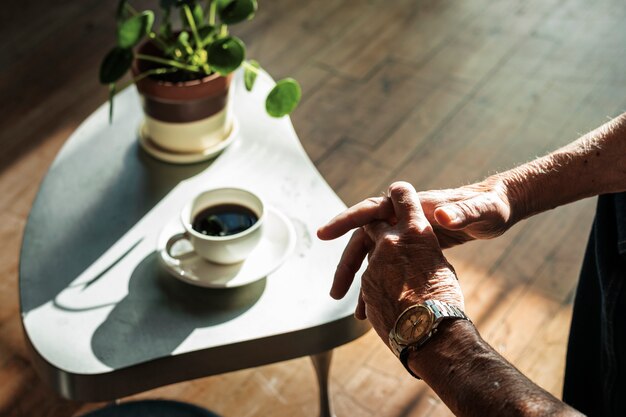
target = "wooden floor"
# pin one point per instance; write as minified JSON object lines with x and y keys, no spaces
{"x":436,"y":92}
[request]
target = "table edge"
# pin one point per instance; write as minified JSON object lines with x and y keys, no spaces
{"x":193,"y":365}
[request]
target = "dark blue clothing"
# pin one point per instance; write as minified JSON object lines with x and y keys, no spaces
{"x":595,"y":372}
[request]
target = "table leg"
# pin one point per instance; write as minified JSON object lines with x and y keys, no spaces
{"x":321,"y":363}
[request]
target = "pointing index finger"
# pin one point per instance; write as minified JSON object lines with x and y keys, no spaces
{"x":361,"y":214}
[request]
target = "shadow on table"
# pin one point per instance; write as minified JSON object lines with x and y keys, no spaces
{"x":84,"y":206}
{"x":160,"y":312}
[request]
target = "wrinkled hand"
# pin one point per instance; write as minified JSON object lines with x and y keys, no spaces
{"x":477,"y":211}
{"x":405,"y":267}
{"x":458,"y":215}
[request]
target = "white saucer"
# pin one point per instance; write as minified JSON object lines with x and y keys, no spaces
{"x":186,"y":157}
{"x":277,"y":243}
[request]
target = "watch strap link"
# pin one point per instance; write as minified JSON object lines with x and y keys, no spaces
{"x":444,"y":310}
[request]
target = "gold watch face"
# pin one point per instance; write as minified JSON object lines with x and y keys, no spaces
{"x":414,"y":324}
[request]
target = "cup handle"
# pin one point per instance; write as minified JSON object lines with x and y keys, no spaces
{"x":172,"y":241}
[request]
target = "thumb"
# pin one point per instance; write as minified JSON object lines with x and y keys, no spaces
{"x":457,"y":216}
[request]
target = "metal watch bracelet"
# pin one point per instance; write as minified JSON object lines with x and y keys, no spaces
{"x":441,"y":312}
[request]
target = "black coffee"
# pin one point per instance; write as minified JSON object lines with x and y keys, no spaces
{"x":224,"y":220}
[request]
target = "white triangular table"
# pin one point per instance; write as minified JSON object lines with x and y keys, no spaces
{"x":105,"y":320}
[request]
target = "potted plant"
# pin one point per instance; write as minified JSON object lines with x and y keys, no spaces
{"x":184,"y":75}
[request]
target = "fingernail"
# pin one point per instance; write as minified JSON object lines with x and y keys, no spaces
{"x":453,"y":215}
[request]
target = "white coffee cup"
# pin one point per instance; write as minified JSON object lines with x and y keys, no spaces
{"x":227,"y":249}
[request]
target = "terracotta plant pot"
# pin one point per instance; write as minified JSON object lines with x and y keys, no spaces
{"x":188,"y":116}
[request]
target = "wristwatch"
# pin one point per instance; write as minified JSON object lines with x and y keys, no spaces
{"x":416,"y":325}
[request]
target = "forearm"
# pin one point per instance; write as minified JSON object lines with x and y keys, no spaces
{"x":592,"y":165}
{"x":474,"y":380}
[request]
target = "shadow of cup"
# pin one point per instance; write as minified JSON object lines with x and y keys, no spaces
{"x":160,"y":312}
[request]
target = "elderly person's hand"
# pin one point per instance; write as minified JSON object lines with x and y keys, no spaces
{"x":478,"y":211}
{"x":405,"y":267}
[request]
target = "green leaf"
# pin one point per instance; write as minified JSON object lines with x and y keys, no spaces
{"x":283,"y":98}
{"x":249,"y":75}
{"x":115,"y":65}
{"x":130,"y":32}
{"x":226,"y":54}
{"x":235,"y":11}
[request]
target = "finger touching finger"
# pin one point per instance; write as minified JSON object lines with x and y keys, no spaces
{"x":350,"y":263}
{"x":406,"y":202}
{"x":377,"y":229}
{"x":366,"y":211}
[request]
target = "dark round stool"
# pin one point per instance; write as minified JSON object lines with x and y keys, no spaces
{"x":151,"y":408}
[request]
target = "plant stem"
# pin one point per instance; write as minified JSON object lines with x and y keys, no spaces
{"x":148,"y":73}
{"x":189,"y":49}
{"x":111,"y":95}
{"x":223,"y":30}
{"x":185,"y":44}
{"x":212,"y":12}
{"x":251,"y":67}
{"x":192,"y":24}
{"x":169,"y":62}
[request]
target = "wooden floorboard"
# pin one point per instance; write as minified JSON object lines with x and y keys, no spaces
{"x":436,"y":92}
